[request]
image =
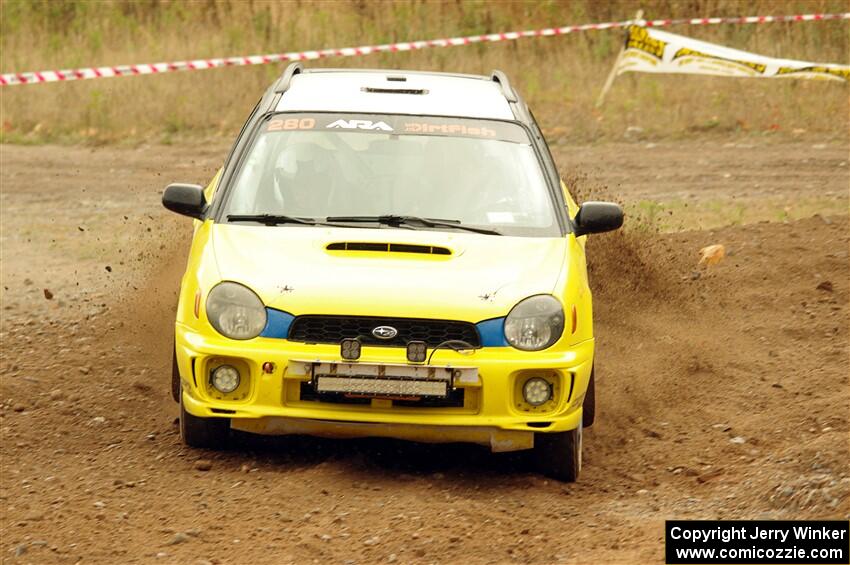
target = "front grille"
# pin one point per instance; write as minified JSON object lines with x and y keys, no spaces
{"x":333,"y":329}
{"x":453,"y":400}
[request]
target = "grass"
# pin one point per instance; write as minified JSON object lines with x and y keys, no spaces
{"x":560,"y":76}
{"x":676,"y":215}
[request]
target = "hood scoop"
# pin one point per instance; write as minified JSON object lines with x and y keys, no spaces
{"x":378,"y":247}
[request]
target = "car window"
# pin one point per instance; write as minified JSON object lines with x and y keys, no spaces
{"x":479,"y":172}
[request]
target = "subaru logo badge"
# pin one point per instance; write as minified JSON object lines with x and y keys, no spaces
{"x":385,"y":332}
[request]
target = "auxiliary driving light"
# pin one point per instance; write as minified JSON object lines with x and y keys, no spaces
{"x":416,"y":351}
{"x":536,"y":391}
{"x":225,"y":378}
{"x":350,"y":349}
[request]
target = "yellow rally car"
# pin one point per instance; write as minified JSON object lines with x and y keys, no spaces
{"x":389,"y":253}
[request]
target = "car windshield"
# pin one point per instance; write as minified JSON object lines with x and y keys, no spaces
{"x":360,"y":170}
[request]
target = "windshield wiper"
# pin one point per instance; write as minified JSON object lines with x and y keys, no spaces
{"x":270,"y":219}
{"x":393,"y":220}
{"x":277,"y":219}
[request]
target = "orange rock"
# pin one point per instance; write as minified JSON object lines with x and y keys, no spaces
{"x":712,"y":254}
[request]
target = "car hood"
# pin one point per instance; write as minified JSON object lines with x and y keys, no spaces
{"x":477,"y":278}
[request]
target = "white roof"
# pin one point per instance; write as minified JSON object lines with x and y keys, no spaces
{"x":320,"y":90}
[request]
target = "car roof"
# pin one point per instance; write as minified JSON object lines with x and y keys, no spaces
{"x":395,"y":92}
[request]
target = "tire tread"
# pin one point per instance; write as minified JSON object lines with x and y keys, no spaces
{"x":209,"y":433}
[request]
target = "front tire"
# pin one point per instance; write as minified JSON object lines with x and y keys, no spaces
{"x":209,"y":433}
{"x":558,"y":455}
{"x":588,"y":407}
{"x":175,"y":378}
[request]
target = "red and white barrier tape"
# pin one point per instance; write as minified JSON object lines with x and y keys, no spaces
{"x":9,"y":79}
{"x":749,"y":19}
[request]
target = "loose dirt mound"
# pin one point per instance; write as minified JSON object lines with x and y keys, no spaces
{"x":723,"y":393}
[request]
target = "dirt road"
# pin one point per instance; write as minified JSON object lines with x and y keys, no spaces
{"x":723,"y":392}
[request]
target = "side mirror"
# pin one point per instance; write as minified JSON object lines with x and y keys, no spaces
{"x":185,"y":199}
{"x":598,"y":217}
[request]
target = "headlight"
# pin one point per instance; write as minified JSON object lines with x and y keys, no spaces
{"x":535,"y":323}
{"x":235,"y":311}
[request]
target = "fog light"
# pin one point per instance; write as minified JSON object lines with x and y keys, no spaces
{"x":225,"y":379}
{"x":350,"y":349}
{"x":417,"y":351}
{"x":536,"y":391}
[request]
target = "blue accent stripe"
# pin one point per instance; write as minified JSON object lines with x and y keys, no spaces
{"x":492,"y":333}
{"x":277,"y":324}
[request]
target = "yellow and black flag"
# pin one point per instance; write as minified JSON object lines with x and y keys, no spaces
{"x":649,"y":50}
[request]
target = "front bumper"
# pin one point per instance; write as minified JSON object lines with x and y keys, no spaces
{"x":490,"y":414}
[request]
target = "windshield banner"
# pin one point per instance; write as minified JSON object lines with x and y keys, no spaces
{"x":398,"y":125}
{"x":650,"y":50}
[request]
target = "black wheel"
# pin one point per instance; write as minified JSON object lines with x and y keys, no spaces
{"x":211,"y":433}
{"x":558,"y":455}
{"x":175,"y":378}
{"x":588,"y":413}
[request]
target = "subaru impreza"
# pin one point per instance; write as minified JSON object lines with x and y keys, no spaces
{"x":389,"y":254}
